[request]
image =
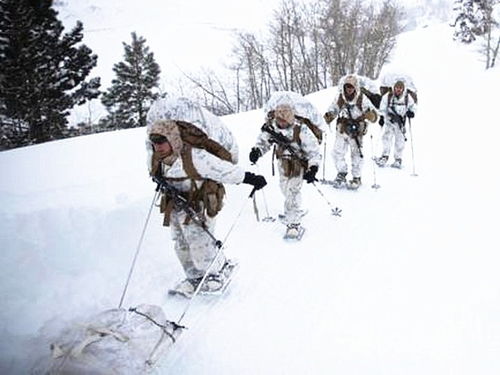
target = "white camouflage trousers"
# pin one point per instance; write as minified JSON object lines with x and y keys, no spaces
{"x":342,"y":143}
{"x":194,"y":247}
{"x":392,"y":131}
{"x":290,"y":187}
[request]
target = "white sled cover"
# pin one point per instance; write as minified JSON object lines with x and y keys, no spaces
{"x":300,"y":104}
{"x":116,"y":341}
{"x":183,"y":109}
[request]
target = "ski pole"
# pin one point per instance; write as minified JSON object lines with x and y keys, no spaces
{"x":198,"y":287}
{"x":255,"y":208}
{"x":216,"y":256}
{"x":138,"y":249}
{"x":375,"y":185}
{"x":324,"y":157}
{"x":268,"y":217}
{"x":411,"y":143}
{"x":335,"y":211}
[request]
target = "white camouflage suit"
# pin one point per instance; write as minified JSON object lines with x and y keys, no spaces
{"x":291,"y":186}
{"x":342,"y":139}
{"x":400,"y":105}
{"x":194,"y":247}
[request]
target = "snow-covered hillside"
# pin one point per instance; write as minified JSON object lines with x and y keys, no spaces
{"x":405,"y":282}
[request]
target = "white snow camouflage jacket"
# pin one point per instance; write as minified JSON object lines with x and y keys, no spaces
{"x":309,"y":146}
{"x":355,"y":111}
{"x":399,"y":105}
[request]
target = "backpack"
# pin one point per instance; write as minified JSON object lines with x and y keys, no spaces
{"x":183,"y":110}
{"x":195,"y":137}
{"x":200,"y":129}
{"x":387,"y":89}
{"x":318,"y":133}
{"x":305,"y":112}
{"x":374,"y":98}
{"x":389,"y":79}
{"x":208,"y":198}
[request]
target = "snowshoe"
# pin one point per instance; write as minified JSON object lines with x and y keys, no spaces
{"x":324,"y":181}
{"x":340,"y":180}
{"x":217,"y":284}
{"x":294,"y":232}
{"x":214,"y":283}
{"x":397,"y":164}
{"x":354,"y":184}
{"x":185,"y":288}
{"x":381,"y":161}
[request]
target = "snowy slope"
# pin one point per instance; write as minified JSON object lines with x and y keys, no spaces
{"x":405,"y":282}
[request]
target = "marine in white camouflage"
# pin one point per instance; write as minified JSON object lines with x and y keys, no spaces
{"x":198,"y":173}
{"x":395,"y":106}
{"x":352,"y":109}
{"x":291,"y":169}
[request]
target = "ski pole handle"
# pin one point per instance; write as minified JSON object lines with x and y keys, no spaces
{"x":252,"y":192}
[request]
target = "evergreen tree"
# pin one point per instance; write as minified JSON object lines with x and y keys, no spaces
{"x":471,"y":19}
{"x":132,"y":91}
{"x":43,"y":70}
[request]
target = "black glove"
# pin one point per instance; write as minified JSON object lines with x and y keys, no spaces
{"x":310,"y":175}
{"x":255,"y":154}
{"x":256,"y":180}
{"x":410,"y":114}
{"x":381,"y":121}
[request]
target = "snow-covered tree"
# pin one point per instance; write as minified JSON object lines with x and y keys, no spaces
{"x":135,"y":86}
{"x":465,"y":20}
{"x":43,"y":71}
{"x":491,"y":37}
{"x":471,"y":19}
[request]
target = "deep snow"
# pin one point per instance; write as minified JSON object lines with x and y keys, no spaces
{"x":405,"y":282}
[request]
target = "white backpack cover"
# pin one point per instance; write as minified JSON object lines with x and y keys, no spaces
{"x":389,"y":79}
{"x":302,"y":106}
{"x":183,"y":109}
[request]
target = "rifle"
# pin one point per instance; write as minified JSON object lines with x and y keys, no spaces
{"x":284,"y":142}
{"x":398,"y":119}
{"x":181,"y":203}
{"x":353,"y":129}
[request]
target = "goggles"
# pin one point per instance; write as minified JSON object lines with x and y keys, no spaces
{"x":157,"y":139}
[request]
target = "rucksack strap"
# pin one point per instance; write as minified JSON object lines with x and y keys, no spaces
{"x":359,"y":101}
{"x":296,"y":135}
{"x":187,"y":162}
{"x":196,"y":137}
{"x":318,"y":133}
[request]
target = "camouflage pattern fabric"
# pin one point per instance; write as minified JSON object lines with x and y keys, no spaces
{"x":193,"y":246}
